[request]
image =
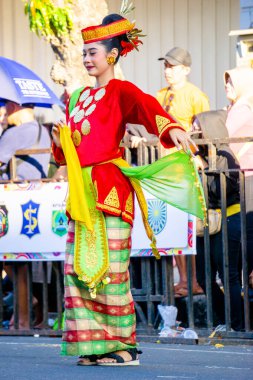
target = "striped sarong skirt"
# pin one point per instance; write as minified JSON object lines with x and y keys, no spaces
{"x":107,"y":323}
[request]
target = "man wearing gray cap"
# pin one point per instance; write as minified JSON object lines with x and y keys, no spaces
{"x":181,"y":98}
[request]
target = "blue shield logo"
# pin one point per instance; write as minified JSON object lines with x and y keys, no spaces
{"x":30,"y":219}
{"x":157,"y":215}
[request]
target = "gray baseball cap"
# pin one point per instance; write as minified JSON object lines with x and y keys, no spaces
{"x":177,"y":56}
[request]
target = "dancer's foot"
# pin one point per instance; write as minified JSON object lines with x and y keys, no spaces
{"x":87,"y":360}
{"x":120,"y":358}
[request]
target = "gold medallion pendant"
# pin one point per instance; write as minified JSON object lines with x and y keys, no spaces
{"x":76,"y":137}
{"x":85,"y":128}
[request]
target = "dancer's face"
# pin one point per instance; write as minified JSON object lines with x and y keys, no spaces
{"x":95,"y":59}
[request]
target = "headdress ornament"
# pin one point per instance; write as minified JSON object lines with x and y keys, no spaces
{"x":116,"y":28}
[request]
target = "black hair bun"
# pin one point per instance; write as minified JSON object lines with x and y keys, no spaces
{"x":115,"y":41}
{"x":111,"y":18}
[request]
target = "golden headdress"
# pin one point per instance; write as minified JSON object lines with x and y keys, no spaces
{"x":116,"y":28}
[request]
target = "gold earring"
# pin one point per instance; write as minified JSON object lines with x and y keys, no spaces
{"x":111,"y":60}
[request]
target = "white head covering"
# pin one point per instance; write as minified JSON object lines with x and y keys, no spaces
{"x":242,"y":80}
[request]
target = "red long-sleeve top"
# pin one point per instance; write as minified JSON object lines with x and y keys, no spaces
{"x":98,"y":124}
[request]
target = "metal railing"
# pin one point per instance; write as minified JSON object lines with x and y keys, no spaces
{"x":152,"y":282}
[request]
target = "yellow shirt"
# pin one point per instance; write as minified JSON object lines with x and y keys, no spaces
{"x":184,"y":103}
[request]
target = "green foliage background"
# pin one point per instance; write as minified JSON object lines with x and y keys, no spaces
{"x":47,"y":20}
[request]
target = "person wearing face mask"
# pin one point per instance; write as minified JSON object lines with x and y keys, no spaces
{"x":183,"y":100}
{"x":239,"y":91}
{"x":99,"y":309}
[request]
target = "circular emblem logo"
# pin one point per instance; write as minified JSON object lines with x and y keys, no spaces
{"x":157,"y":215}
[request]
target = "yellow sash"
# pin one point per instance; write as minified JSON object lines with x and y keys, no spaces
{"x":78,"y":209}
{"x":77,"y":206}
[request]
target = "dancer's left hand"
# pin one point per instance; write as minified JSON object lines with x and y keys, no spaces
{"x":136,"y":141}
{"x":182,"y":140}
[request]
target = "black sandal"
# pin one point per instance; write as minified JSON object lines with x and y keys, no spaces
{"x":120,"y":360}
{"x":92,"y":360}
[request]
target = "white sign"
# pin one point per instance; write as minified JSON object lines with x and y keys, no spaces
{"x":169,"y":224}
{"x":33,"y":224}
{"x":33,"y":219}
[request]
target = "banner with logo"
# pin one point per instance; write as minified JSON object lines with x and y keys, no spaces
{"x":173,"y":228}
{"x":33,"y":224}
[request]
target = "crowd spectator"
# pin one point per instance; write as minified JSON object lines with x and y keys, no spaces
{"x":182,"y":100}
{"x":3,"y":120}
{"x":239,"y":91}
{"x":210,"y":125}
{"x":23,"y":132}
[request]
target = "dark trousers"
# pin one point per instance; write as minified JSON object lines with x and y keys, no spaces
{"x":216,"y":257}
{"x":249,"y":231}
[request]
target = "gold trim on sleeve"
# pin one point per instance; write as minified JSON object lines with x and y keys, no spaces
{"x":170,"y":126}
{"x":161,"y":123}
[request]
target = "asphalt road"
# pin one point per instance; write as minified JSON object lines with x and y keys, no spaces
{"x":30,"y":358}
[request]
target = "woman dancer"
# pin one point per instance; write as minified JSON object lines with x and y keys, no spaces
{"x":100,"y":319}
